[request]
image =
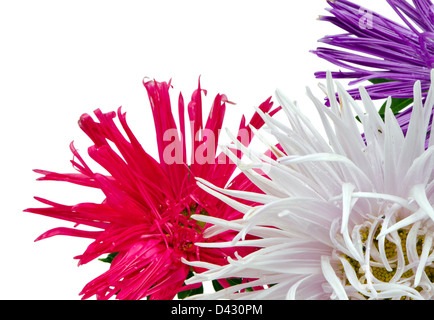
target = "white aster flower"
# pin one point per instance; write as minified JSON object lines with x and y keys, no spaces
{"x":346,"y":217}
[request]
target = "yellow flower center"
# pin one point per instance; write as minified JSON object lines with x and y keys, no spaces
{"x":391,"y":252}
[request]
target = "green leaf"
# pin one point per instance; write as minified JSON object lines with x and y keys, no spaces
{"x":216,"y":285}
{"x":231,"y":281}
{"x":234,"y":281}
{"x":109,"y":257}
{"x":397,"y":103}
{"x":188,"y":293}
{"x":375,"y":81}
{"x":396,"y":106}
{"x":191,"y":292}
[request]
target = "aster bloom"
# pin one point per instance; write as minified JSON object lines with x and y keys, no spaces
{"x":144,"y":223}
{"x":391,"y":55}
{"x":379,"y":48}
{"x":345,"y":217}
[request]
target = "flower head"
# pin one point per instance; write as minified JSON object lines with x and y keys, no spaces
{"x":390,"y":55}
{"x":346,"y":217}
{"x":144,"y":222}
{"x":375,"y":47}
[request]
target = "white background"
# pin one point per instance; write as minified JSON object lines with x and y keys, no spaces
{"x":59,"y":59}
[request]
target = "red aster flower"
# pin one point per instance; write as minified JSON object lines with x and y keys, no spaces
{"x":144,"y":220}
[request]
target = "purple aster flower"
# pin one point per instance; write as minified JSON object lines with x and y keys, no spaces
{"x":390,"y":55}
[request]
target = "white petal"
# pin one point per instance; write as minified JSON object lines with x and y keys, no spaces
{"x":419,"y":195}
{"x":332,"y":279}
{"x":347,"y":202}
{"x":250,"y":196}
{"x":416,"y":216}
{"x":234,"y":204}
{"x":423,"y":259}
